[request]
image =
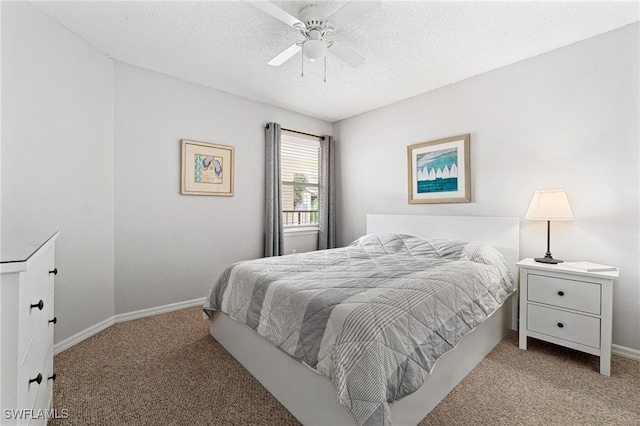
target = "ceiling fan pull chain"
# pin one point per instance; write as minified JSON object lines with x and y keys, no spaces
{"x":325,"y":68}
{"x":302,"y":63}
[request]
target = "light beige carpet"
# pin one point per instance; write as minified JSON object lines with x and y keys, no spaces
{"x":167,"y":370}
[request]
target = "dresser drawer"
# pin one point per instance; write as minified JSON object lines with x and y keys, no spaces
{"x":571,"y":294}
{"x":37,"y":286}
{"x":35,"y":326}
{"x":43,"y":332}
{"x":37,"y":280}
{"x":564,"y":325}
{"x":44,"y":392}
{"x":27,"y":389}
{"x":34,"y":362}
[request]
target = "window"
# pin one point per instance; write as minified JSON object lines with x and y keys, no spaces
{"x":300,"y":166}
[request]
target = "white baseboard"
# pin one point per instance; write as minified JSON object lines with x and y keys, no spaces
{"x":625,"y":352}
{"x":102,"y":325}
{"x":84,"y":334}
{"x":159,"y":310}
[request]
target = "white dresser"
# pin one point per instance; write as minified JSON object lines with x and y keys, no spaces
{"x":27,"y":273}
{"x":567,"y":307}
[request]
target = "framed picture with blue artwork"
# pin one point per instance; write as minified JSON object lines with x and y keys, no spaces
{"x":207,"y":169}
{"x":439,"y":171}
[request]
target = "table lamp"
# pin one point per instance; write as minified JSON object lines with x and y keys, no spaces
{"x":549,"y":204}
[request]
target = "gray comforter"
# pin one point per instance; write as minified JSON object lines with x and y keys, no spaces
{"x":373,"y":317}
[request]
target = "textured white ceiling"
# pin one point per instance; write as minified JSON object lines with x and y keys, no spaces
{"x":410,"y":47}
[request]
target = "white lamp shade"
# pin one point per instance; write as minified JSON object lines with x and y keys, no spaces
{"x":315,"y":49}
{"x":549,"y":204}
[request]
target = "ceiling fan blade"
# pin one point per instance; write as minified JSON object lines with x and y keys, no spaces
{"x":276,"y":12}
{"x":285,"y":55}
{"x":351,"y":11}
{"x":345,"y":54}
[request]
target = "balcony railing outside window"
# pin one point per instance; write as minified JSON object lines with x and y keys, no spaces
{"x":300,"y":217}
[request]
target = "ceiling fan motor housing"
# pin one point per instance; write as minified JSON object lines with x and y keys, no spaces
{"x":314,"y":17}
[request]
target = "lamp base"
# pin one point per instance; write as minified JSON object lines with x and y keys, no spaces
{"x":547,"y":259}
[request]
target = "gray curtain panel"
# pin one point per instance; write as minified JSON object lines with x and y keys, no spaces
{"x":327,"y":206}
{"x":274,"y":236}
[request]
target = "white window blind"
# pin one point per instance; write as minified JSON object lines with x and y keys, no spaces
{"x":300,"y":165}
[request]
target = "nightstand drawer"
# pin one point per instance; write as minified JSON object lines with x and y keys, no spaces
{"x":571,"y":294}
{"x":564,"y":325}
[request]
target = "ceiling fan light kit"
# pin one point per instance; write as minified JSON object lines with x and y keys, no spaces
{"x":314,"y":49}
{"x":314,"y":23}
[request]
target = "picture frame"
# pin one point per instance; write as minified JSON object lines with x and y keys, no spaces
{"x":207,"y":169}
{"x":439,"y":171}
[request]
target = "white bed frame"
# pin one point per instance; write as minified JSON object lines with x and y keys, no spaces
{"x":312,"y":399}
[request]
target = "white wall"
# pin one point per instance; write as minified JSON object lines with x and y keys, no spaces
{"x":57,"y":157}
{"x":565,"y":119}
{"x":169,"y":247}
{"x":300,"y":240}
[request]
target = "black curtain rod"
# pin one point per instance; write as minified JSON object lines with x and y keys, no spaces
{"x":295,"y":131}
{"x":303,"y":133}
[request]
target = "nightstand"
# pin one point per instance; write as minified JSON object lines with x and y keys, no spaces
{"x":568,"y":307}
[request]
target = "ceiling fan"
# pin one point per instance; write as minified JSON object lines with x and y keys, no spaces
{"x":314,"y":22}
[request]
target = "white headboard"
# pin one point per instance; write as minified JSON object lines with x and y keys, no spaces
{"x":499,"y":232}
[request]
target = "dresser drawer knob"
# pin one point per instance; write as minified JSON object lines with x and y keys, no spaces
{"x":54,"y":272}
{"x":560,"y":325}
{"x":38,"y":305}
{"x":54,"y":320}
{"x":52,"y":377}
{"x":561,"y":293}
{"x":37,"y":379}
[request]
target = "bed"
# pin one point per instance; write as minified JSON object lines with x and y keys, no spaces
{"x":394,"y":257}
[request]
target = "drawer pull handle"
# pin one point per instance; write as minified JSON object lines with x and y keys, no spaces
{"x":561,"y":293}
{"x":52,"y":377}
{"x":54,"y":272}
{"x":38,"y":305}
{"x":54,"y":320}
{"x":38,"y":379}
{"x":560,"y":325}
